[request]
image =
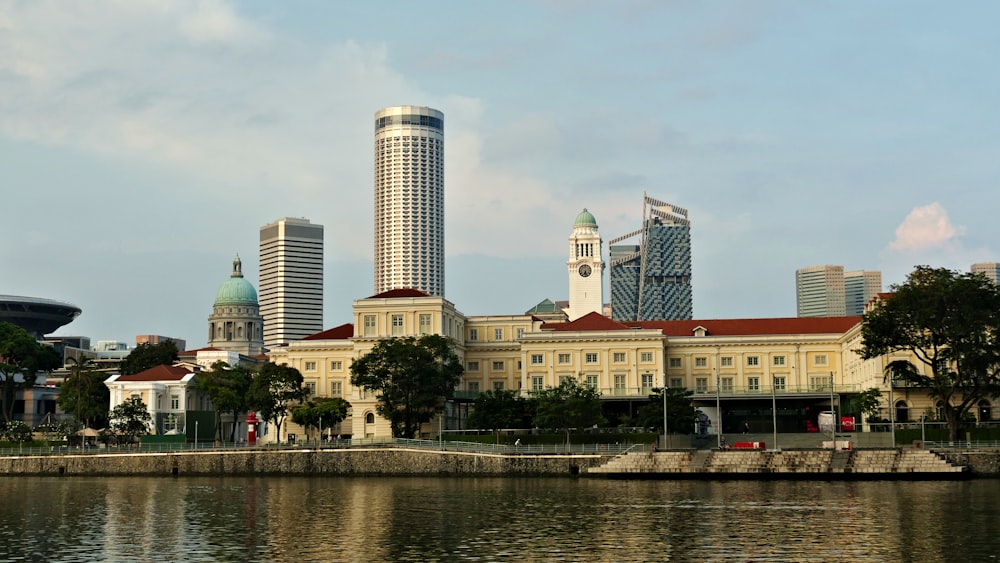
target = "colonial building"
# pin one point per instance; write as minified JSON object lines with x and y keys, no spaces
{"x":235,"y":324}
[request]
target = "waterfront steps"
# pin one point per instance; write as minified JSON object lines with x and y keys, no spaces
{"x":778,"y":464}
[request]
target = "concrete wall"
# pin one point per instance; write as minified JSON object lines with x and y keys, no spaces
{"x":981,"y":463}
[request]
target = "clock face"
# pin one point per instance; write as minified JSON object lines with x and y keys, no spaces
{"x":584,"y":270}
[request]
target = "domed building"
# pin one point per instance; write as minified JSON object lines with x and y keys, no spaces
{"x":235,"y":324}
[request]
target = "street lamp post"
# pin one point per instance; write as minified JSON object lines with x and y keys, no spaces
{"x":666,"y":429}
{"x":833,"y":418}
{"x":774,"y":410}
{"x":196,"y":434}
{"x":718,"y":410}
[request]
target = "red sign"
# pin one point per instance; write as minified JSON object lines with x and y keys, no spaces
{"x":847,"y":423}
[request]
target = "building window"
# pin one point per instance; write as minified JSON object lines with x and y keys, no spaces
{"x":311,"y":387}
{"x":701,"y":385}
{"x":537,"y":382}
{"x":821,"y":359}
{"x":473,"y":365}
{"x":676,"y":383}
{"x":175,"y":402}
{"x":592,"y":381}
{"x":564,"y":379}
{"x":336,"y":365}
{"x":753,"y":384}
{"x":309,"y":366}
{"x":336,"y":388}
{"x":473,"y":334}
{"x":498,"y":365}
{"x":591,"y":357}
{"x":726,"y":361}
{"x":647,"y":382}
{"x":779,"y":360}
{"x":619,"y":382}
{"x":618,"y":357}
{"x":520,"y":333}
{"x":424,"y":323}
{"x":726,"y":385}
{"x":564,"y":358}
{"x":472,"y":386}
{"x":646,"y":357}
{"x":369,"y":325}
{"x":537,"y":359}
{"x":779,"y":383}
{"x":701,"y":362}
{"x":753,"y":361}
{"x":819,"y":383}
{"x":675,"y":363}
{"x":498,"y":334}
{"x":498,"y":385}
{"x":397,"y":325}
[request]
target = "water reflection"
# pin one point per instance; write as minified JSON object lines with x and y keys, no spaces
{"x":363,"y":519}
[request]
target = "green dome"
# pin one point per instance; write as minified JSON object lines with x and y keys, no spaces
{"x":236,"y":290}
{"x":585,"y":219}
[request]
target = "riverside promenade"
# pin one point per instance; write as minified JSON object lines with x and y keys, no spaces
{"x":433,"y":458}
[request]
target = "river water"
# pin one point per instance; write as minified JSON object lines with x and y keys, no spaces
{"x":494,"y":519}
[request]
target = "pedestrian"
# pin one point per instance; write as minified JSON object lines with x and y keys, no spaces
{"x":517,"y":443}
{"x":746,"y":426}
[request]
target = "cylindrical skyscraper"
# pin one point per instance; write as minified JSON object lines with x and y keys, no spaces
{"x":409,"y":199}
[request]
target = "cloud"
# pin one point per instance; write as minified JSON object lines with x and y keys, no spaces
{"x":927,"y":227}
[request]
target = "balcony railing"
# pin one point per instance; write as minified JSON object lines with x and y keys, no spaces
{"x":726,"y":390}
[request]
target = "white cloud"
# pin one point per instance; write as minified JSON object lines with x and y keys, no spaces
{"x":926,"y":227}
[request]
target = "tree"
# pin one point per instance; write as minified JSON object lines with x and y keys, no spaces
{"x":868,"y":402}
{"x":681,"y":414}
{"x":84,"y":394}
{"x":129,"y":420}
{"x":228,"y":388}
{"x":272,"y":389}
{"x":949,"y":322}
{"x":498,"y":409}
{"x":413,"y":378}
{"x":145,"y":356}
{"x":21,"y":358}
{"x":568,"y":406}
{"x":321,"y":412}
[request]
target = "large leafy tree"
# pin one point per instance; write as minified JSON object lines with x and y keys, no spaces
{"x":84,"y":395}
{"x":129,"y":420}
{"x":321,"y":412}
{"x":498,"y":409}
{"x":228,"y":388}
{"x":949,"y":323}
{"x":273,"y":389}
{"x":413,"y":378}
{"x":145,"y":356}
{"x":681,"y":414}
{"x":568,"y":406}
{"x":21,"y":358}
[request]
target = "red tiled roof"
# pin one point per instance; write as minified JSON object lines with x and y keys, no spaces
{"x":195,"y":352}
{"x":716,"y":327}
{"x":397,"y":293}
{"x":342,"y":332}
{"x":159,"y":373}
{"x":591,"y":321}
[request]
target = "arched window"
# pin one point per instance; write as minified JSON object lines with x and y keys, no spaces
{"x":902,"y":412}
{"x":370,"y":418}
{"x":985,"y":411}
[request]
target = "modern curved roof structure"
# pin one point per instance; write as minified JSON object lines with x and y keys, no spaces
{"x":37,"y":316}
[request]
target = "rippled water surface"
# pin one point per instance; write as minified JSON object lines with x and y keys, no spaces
{"x":448,"y":519}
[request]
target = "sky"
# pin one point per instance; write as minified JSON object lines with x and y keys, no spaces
{"x":144,"y":143}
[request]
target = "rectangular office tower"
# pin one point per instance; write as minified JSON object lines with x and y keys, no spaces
{"x":651,"y":281}
{"x":989,"y":269}
{"x":819,"y":291}
{"x":291,"y":280}
{"x":409,"y":199}
{"x":860,"y":286}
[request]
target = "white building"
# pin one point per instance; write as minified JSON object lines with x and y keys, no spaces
{"x":291,"y":280}
{"x":990,"y":269}
{"x":586,"y":268}
{"x":819,"y":291}
{"x":409,"y":199}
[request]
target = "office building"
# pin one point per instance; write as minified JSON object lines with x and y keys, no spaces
{"x":860,"y":286}
{"x":291,"y":280}
{"x":819,"y":291}
{"x":990,"y":269}
{"x":652,"y":280}
{"x":409,"y":199}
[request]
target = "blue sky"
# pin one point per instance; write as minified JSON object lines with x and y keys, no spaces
{"x":142,"y":144}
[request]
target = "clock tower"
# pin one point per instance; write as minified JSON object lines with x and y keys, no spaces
{"x":586,"y":269}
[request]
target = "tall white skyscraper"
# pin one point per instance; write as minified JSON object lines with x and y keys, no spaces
{"x":860,"y":286}
{"x":819,"y":291}
{"x":291,"y":280}
{"x":990,"y":269}
{"x":409,"y":199}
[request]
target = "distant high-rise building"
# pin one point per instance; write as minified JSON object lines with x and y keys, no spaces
{"x":651,"y":281}
{"x":860,"y":286}
{"x":990,"y":269}
{"x":586,"y":268}
{"x":819,"y":291}
{"x":291,"y":280}
{"x":409,"y":199}
{"x":154,"y":339}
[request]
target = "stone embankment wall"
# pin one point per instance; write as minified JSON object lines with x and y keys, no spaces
{"x":355,"y":461}
{"x":980,"y":463}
